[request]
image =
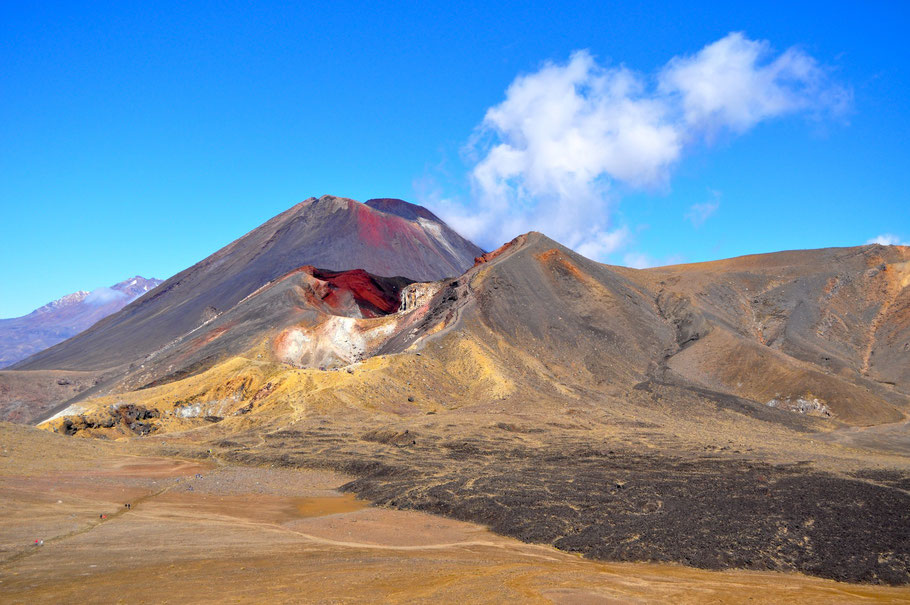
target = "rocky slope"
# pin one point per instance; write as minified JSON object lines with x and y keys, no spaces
{"x":786,"y":336}
{"x":65,"y":317}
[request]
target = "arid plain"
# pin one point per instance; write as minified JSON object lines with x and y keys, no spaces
{"x":203,"y":530}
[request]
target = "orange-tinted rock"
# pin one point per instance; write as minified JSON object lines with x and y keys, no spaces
{"x":488,"y":256}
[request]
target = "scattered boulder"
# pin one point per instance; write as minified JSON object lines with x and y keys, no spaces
{"x":132,"y":417}
{"x":390,"y":437}
{"x":244,"y":410}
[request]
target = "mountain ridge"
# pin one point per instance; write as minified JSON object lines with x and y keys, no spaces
{"x":60,"y":319}
{"x":597,"y":328}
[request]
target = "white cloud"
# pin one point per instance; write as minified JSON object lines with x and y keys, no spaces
{"x":103,"y":296}
{"x":605,"y":243}
{"x":888,"y":239}
{"x":730,"y":84}
{"x":550,"y":154}
{"x":638,"y":260}
{"x":699,"y":213}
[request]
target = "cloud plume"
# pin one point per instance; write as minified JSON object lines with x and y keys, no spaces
{"x":888,"y":239}
{"x":103,"y":296}
{"x":699,"y":213}
{"x":549,"y":157}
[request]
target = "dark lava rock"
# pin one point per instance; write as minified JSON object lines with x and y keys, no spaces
{"x":129,"y":415}
{"x":706,"y":513}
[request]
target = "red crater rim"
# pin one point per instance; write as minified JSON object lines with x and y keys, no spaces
{"x":376,"y":296}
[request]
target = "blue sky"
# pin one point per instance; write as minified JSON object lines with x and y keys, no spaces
{"x":138,"y":139}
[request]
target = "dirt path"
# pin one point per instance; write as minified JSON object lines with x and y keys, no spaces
{"x":197,"y":533}
{"x":892,"y":438}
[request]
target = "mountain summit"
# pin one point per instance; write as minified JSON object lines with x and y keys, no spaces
{"x":385,"y":237}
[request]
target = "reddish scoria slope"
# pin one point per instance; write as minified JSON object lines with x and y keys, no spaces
{"x":373,"y":295}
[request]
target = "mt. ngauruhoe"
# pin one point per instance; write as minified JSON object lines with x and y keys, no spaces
{"x":383,"y":237}
{"x":721,"y":414}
